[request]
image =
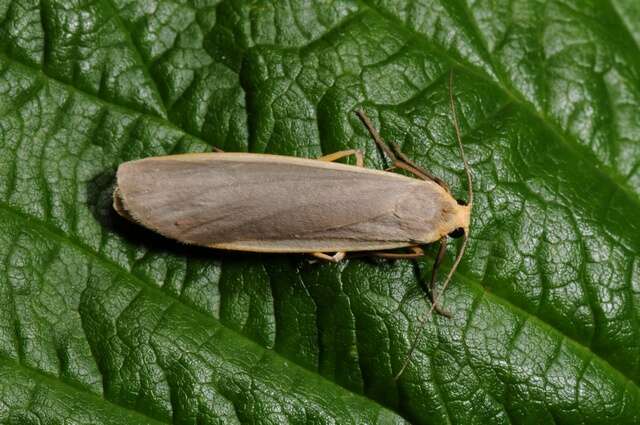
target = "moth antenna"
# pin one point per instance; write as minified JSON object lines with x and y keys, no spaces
{"x":424,"y":320}
{"x":456,"y":126}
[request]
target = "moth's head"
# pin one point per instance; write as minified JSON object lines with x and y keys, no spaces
{"x":461,"y":219}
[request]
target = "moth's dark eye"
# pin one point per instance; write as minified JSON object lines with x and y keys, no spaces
{"x":457,"y":233}
{"x":461,"y":202}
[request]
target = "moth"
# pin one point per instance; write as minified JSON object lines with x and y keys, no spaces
{"x":280,"y":204}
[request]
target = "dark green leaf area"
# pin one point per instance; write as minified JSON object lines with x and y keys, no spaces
{"x":102,"y":321}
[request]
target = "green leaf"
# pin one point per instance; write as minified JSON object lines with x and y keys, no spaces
{"x":104,"y":322}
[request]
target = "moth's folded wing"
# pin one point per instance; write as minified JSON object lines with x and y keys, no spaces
{"x":290,"y":206}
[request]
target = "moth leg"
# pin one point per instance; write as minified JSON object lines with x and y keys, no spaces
{"x":335,"y":258}
{"x":398,"y":159}
{"x":416,"y":252}
{"x":434,"y":271}
{"x":413,"y":167}
{"x":342,"y":154}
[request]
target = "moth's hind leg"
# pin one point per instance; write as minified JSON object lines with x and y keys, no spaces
{"x":398,"y":159}
{"x":416,"y":252}
{"x":335,"y":258}
{"x":342,"y":154}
